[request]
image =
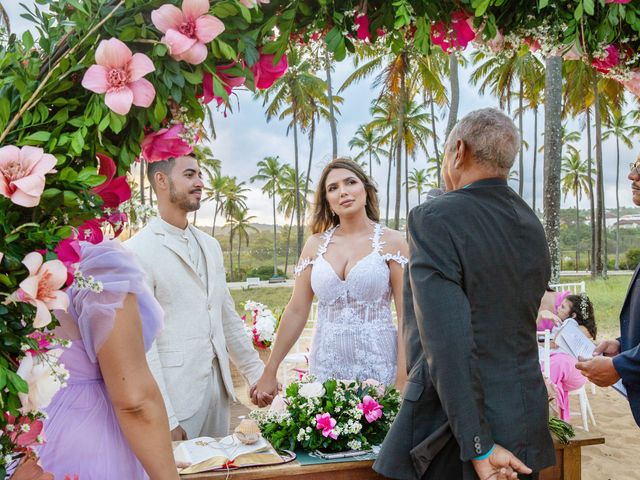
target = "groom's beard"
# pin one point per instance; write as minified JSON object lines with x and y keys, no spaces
{"x":183,"y":200}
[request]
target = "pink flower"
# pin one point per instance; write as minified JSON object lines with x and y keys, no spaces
{"x":534,"y":43}
{"x":252,"y":3}
{"x":187,"y":31}
{"x":362,"y":21}
{"x":265,"y":73}
{"x":325,"y":423}
{"x":462,"y":32}
{"x":90,"y":231}
{"x":42,"y":287}
{"x":228,"y":83}
{"x":372,"y":410}
{"x":22,"y":172}
{"x":119,"y":74}
{"x":612,"y":59}
{"x":44,"y":342}
{"x":496,"y":43}
{"x":25,"y":432}
{"x":165,"y":143}
{"x":113,"y":191}
{"x":68,"y":252}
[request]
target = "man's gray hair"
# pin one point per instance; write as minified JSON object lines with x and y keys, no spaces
{"x":490,"y":135}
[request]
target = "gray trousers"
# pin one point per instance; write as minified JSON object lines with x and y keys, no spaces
{"x":212,"y":418}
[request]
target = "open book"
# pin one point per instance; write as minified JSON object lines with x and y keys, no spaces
{"x":570,"y":339}
{"x":206,"y":453}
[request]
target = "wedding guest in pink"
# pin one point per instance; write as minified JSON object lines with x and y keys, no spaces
{"x":354,"y":266}
{"x":110,"y":421}
{"x":564,"y":374}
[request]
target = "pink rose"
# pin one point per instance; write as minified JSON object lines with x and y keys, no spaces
{"x":165,"y":143}
{"x":265,"y":73}
{"x":187,"y":30}
{"x":118,"y":73}
{"x":22,"y":172}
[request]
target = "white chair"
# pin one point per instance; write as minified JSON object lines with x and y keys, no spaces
{"x":575,"y":288}
{"x":586,"y":413}
{"x":252,"y":282}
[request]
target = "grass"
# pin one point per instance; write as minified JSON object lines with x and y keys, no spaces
{"x":607,"y":297}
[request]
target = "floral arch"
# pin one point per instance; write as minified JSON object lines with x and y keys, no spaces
{"x":98,"y":83}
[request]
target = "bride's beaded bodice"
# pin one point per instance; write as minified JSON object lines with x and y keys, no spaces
{"x":355,"y":337}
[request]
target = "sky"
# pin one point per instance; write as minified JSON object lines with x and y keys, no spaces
{"x":244,"y":137}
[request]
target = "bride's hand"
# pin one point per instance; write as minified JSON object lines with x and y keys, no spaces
{"x":262,"y":393}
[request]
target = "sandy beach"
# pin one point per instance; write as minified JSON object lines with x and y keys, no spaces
{"x":619,"y":457}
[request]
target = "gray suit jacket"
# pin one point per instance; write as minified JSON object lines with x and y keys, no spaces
{"x":478,"y":268}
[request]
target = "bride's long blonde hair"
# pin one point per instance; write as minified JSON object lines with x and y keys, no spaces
{"x":323,"y":218}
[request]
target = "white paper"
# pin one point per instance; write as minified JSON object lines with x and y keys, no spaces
{"x":199,"y":449}
{"x":618,"y":386}
{"x":573,"y":341}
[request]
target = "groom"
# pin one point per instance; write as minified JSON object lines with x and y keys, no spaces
{"x":475,"y":404}
{"x":184,"y":268}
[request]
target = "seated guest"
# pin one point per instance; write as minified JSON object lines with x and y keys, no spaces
{"x":110,"y":421}
{"x":564,"y":375}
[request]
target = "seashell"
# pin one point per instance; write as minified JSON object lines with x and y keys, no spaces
{"x":248,"y":431}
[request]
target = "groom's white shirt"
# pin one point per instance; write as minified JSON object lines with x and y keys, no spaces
{"x":200,"y":323}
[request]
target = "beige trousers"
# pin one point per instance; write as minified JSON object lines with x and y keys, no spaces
{"x":212,"y":418}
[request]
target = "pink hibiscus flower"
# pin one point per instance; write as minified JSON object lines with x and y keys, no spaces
{"x":325,"y":423}
{"x":22,"y":172}
{"x":42,"y":287}
{"x":463,"y":33}
{"x":118,"y":74}
{"x":265,"y":73}
{"x":372,"y":409}
{"x":187,"y":31}
{"x":165,"y":143}
{"x":90,"y":231}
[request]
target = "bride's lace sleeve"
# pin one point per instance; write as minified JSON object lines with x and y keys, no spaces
{"x":302,"y":265}
{"x":396,"y":257}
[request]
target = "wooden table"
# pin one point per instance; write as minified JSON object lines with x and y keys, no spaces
{"x":568,"y":467}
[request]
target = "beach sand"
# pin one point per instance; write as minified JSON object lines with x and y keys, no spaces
{"x":619,"y":457}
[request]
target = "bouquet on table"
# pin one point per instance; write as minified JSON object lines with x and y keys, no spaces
{"x":263,"y":325}
{"x":333,"y":416}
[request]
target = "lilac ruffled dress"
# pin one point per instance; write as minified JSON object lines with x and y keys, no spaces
{"x":83,"y":435}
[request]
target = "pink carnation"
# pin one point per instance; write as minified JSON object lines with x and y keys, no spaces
{"x":22,"y":172}
{"x":118,"y":74}
{"x":164,"y":144}
{"x":187,"y":31}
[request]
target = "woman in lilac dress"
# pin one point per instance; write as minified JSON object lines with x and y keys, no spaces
{"x":110,"y":421}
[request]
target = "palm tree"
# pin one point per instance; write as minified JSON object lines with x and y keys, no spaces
{"x":499,"y":73}
{"x":241,"y":228}
{"x":288,"y":200}
{"x":621,"y":130}
{"x":215,"y":190}
{"x":209,"y":165}
{"x":368,"y":143}
{"x":575,"y":180}
{"x":290,"y":96}
{"x":332,"y":117}
{"x":269,"y":170}
{"x":4,"y":20}
{"x":418,"y":180}
{"x":235,"y":199}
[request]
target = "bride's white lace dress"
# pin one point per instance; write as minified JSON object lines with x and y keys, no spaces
{"x":355,"y":338}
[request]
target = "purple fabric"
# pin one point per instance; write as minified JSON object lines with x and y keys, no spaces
{"x":83,"y":433}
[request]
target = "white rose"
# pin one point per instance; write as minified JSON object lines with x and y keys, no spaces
{"x":311,"y":390}
{"x":43,"y":382}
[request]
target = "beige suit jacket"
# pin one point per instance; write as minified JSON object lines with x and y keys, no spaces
{"x":199,"y":324}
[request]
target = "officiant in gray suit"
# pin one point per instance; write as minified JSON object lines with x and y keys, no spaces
{"x":475,"y":404}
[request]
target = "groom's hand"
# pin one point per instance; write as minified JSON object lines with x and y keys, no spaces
{"x":500,"y":465}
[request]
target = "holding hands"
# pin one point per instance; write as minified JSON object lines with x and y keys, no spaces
{"x":265,"y":390}
{"x":500,"y":465}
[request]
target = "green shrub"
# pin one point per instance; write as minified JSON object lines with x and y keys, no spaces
{"x":265,"y":272}
{"x":632,"y":258}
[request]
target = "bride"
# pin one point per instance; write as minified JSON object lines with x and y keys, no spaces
{"x":353,"y":265}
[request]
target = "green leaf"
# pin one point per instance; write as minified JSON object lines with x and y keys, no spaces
{"x":65,"y":231}
{"x":17,"y":381}
{"x":49,"y":193}
{"x":11,"y":238}
{"x":224,"y":9}
{"x":78,"y":6}
{"x":5,"y":110}
{"x":160,"y":50}
{"x":579,"y":12}
{"x":27,"y":40}
{"x":128,"y":33}
{"x":40,"y":136}
{"x":542,"y":4}
{"x":589,"y":7}
{"x":226,"y":50}
{"x":159,"y":110}
{"x":194,"y":78}
{"x":3,"y":377}
{"x":104,"y":123}
{"x":70,"y":199}
{"x":481,"y":7}
{"x":116,"y":121}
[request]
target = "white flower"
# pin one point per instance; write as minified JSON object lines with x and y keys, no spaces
{"x":43,"y":375}
{"x":311,"y":390}
{"x":279,"y":404}
{"x":354,"y":444}
{"x":379,"y":387}
{"x":265,"y":326}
